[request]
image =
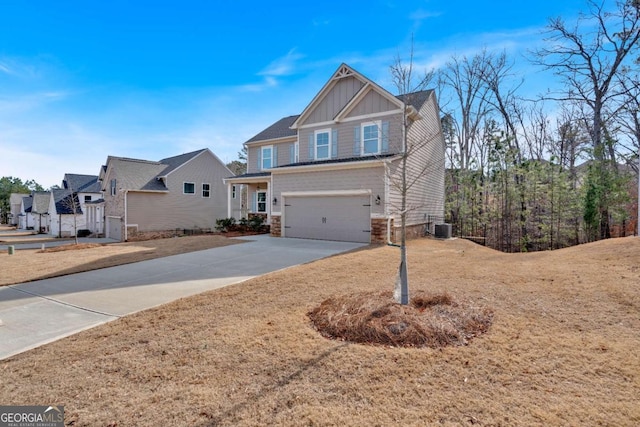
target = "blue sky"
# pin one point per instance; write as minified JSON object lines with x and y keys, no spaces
{"x":80,"y":81}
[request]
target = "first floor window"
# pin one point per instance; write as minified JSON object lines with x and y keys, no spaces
{"x":206,"y":188}
{"x":262,"y":201}
{"x":189,"y":188}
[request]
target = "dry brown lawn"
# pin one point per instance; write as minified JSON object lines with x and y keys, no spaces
{"x":562,"y":349}
{"x":34,"y":264}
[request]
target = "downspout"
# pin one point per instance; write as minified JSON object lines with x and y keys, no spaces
{"x":125,"y":215}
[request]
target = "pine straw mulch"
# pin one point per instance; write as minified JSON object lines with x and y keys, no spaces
{"x":432,"y":320}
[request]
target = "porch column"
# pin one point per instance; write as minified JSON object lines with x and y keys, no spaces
{"x":229,"y":213}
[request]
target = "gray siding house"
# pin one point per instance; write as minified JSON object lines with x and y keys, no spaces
{"x":333,"y":171}
{"x":142,"y":197}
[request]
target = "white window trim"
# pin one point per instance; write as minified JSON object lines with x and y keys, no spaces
{"x":296,"y":149}
{"x":194,"y":187}
{"x":209,"y":190}
{"x":315,"y":143}
{"x":378,"y":125}
{"x":264,"y":147}
{"x":266,"y":200}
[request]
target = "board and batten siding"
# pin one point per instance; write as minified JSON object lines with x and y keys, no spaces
{"x":370,"y":178}
{"x":426,"y":197}
{"x":339,"y":95}
{"x":372,"y":103}
{"x":171,"y":210}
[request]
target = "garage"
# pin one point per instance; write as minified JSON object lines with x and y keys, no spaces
{"x":345,"y":218}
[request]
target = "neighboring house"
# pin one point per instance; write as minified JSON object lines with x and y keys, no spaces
{"x":25,"y":221}
{"x":65,"y":213}
{"x":35,"y":212}
{"x":332,"y":172}
{"x":184,"y":192}
{"x":15,"y":202}
{"x":88,"y":190}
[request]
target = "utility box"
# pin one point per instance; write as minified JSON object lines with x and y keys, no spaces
{"x":443,"y":231}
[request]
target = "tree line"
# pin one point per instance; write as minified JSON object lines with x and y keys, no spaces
{"x":557,"y":170}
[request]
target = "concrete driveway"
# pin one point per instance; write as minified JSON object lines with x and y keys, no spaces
{"x":35,"y":313}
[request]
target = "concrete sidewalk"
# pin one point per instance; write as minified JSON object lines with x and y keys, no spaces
{"x":35,"y":313}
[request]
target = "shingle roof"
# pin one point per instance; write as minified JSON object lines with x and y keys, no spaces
{"x":27,"y":201}
{"x":417,"y":99}
{"x":136,"y":174}
{"x":250,"y":175}
{"x":40,"y":203}
{"x":342,"y":160}
{"x":177,"y":161}
{"x":64,"y":201}
{"x":81,"y":183}
{"x":280,"y":129}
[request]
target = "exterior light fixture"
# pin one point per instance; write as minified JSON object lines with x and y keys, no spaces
{"x":378,"y":199}
{"x":275,"y":201}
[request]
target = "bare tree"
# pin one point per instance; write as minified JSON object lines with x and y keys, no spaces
{"x":464,"y":79}
{"x":410,"y":170}
{"x":588,"y":56}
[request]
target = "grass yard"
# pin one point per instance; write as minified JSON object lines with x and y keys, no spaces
{"x":562,"y":349}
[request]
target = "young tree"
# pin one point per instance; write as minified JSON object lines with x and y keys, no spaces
{"x":409,"y":170}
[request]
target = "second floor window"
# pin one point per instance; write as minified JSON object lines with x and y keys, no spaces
{"x":206,"y":189}
{"x":189,"y":188}
{"x":267,"y":157}
{"x":323,"y":143}
{"x":113,"y":187}
{"x":370,"y":138}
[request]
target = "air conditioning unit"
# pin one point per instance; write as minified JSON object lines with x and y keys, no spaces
{"x":443,"y":231}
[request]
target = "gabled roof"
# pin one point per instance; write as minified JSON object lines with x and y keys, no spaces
{"x":65,"y":200}
{"x":135,"y":174}
{"x":145,"y":175}
{"x":27,"y":202}
{"x":16,"y":198}
{"x":280,"y":129}
{"x":40,"y":204}
{"x":287,"y":126}
{"x":175,"y":162}
{"x":344,"y":71}
{"x":81,"y":183}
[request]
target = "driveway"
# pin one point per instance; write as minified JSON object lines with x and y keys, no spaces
{"x":35,"y":313}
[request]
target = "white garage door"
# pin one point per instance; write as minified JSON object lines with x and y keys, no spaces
{"x":114,"y":228}
{"x":341,"y":218}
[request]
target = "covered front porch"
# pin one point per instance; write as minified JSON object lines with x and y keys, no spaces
{"x":254,"y":192}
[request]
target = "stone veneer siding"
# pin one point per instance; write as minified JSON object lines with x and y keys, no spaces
{"x":276,"y":227}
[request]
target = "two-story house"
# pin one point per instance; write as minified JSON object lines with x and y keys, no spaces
{"x":154,"y":197}
{"x":334,"y":171}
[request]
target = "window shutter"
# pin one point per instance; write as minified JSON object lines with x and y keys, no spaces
{"x":292,"y":153}
{"x":254,"y":202}
{"x":334,"y":143}
{"x":385,"y":137}
{"x":356,"y":141}
{"x":258,"y":154}
{"x":274,"y":156}
{"x":311,"y":150}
